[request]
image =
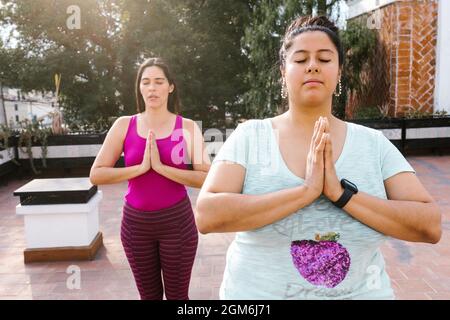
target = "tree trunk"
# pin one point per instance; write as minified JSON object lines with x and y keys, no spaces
{"x":322,"y":7}
{"x":309,"y":6}
{"x":3,"y":119}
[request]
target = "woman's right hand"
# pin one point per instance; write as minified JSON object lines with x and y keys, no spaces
{"x":146,"y":163}
{"x":314,"y":179}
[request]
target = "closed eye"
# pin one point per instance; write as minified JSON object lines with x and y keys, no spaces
{"x":321,"y":60}
{"x":145,"y":83}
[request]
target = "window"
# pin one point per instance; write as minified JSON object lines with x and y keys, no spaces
{"x":16,"y":107}
{"x":17,"y":118}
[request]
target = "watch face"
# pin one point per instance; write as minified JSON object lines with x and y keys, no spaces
{"x":349,"y":185}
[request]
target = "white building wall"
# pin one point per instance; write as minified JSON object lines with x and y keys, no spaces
{"x":29,"y":106}
{"x":442,"y":86}
{"x":359,"y":7}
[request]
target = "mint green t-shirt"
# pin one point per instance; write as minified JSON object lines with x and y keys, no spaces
{"x":283,"y":260}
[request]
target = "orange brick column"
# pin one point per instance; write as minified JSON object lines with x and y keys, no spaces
{"x":408,"y":28}
{"x":421,"y":18}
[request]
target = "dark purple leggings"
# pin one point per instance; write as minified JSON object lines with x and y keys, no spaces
{"x":163,"y":240}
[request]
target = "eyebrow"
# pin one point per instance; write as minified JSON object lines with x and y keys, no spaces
{"x":321,"y":50}
{"x":155,"y":78}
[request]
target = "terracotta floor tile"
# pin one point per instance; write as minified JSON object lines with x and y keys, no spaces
{"x":418,"y":271}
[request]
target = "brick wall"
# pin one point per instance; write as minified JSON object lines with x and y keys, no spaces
{"x":408,"y":29}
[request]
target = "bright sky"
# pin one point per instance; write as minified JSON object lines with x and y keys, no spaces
{"x":5,"y":32}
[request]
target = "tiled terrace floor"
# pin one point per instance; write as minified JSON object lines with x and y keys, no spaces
{"x":418,"y":271}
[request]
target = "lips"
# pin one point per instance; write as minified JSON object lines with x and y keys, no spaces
{"x":313,"y":81}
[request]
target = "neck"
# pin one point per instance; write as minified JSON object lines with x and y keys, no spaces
{"x":305,"y":116}
{"x":156,"y":115}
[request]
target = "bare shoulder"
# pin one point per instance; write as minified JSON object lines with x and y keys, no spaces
{"x":190,"y":124}
{"x":120,"y":126}
{"x":124,"y":120}
{"x":188,"y":121}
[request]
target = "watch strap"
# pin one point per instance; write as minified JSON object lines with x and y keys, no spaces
{"x":345,"y":197}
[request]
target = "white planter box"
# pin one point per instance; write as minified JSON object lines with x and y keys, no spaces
{"x":5,"y":157}
{"x":61,"y":225}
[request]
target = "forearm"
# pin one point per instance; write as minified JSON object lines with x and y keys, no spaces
{"x":190,"y":178}
{"x":108,"y":175}
{"x":232,"y":212}
{"x":405,"y":220}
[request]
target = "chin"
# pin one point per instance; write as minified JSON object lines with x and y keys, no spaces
{"x":312,"y":99}
{"x":153,"y":106}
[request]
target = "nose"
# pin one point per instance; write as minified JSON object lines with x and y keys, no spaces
{"x":312,"y":68}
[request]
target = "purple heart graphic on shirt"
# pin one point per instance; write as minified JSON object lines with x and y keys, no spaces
{"x":323,"y":262}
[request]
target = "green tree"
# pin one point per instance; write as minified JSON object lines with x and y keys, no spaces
{"x":98,"y":62}
{"x":201,"y":41}
{"x":364,"y":75}
{"x":84,"y":57}
{"x":219,"y":65}
{"x":12,"y":61}
{"x":261,"y":43}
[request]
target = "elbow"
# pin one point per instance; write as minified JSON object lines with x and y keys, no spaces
{"x":201,"y":222}
{"x":201,"y":227}
{"x":202,"y":216}
{"x":434,"y":232}
{"x":434,"y":235}
{"x":93,"y":177}
{"x":437,"y":237}
{"x":199,"y":182}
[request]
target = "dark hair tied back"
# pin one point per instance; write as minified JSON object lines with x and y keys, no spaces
{"x":173,"y":104}
{"x":307,"y":23}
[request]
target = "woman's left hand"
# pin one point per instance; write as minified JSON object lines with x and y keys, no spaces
{"x":332,"y":188}
{"x":154,"y":154}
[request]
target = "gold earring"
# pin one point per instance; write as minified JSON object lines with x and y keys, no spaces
{"x":283,"y":89}
{"x":340,"y":89}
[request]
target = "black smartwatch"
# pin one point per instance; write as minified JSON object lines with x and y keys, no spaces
{"x":349,"y":190}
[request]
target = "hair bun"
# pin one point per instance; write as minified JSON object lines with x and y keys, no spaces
{"x":307,"y":21}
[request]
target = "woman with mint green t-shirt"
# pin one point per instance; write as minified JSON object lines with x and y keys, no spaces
{"x":311,"y":197}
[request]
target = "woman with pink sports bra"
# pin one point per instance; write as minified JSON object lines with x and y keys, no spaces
{"x":158,"y":230}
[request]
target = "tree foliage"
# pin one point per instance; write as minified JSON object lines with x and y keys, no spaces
{"x":224,"y":54}
{"x":98,"y":62}
{"x":262,"y":41}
